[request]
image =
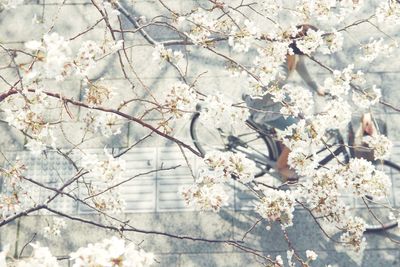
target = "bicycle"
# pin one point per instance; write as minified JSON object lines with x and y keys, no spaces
{"x":260,"y":145}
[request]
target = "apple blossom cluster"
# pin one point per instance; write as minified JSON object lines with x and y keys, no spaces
{"x":106,"y":173}
{"x":54,"y":228}
{"x":208,"y":192}
{"x":335,"y":115}
{"x":365,"y":179}
{"x":202,"y":26}
{"x":55,"y":60}
{"x":228,"y":164}
{"x":303,"y":161}
{"x":325,"y":11}
{"x":96,"y":94}
{"x":308,"y":44}
{"x":300,"y":101}
{"x":339,"y":83}
{"x":333,"y":42}
{"x":54,"y":57}
{"x":162,"y":54}
{"x":388,"y":12}
{"x":328,"y":11}
{"x":322,"y":194}
{"x":26,"y":112}
{"x":308,"y":135}
{"x":241,"y":39}
{"x":218,"y":111}
{"x":277,"y":205}
{"x":273,"y":7}
{"x":375,"y":48}
{"x":181,"y":99}
{"x":106,"y":123}
{"x":9,"y":4}
{"x":41,"y":257}
{"x":13,"y":191}
{"x":86,"y":57}
{"x":108,"y":253}
{"x":112,"y":252}
{"x":353,"y":235}
{"x":380,"y":144}
{"x":109,"y":169}
{"x":311,"y":255}
{"x":267,"y":66}
{"x":367,"y":98}
{"x":205,"y":194}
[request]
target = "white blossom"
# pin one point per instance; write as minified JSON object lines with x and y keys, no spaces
{"x":302,"y":161}
{"x":86,"y":58}
{"x":299,"y":101}
{"x":55,"y":227}
{"x":10,"y":4}
{"x":364,"y":179}
{"x":332,"y":43}
{"x":229,"y":163}
{"x":267,"y":65}
{"x":322,"y":194}
{"x":328,"y":11}
{"x":57,"y":56}
{"x":106,"y":123}
{"x":41,"y":257}
{"x":35,"y":146}
{"x":367,"y":98}
{"x":311,"y":255}
{"x":289,"y":256}
{"x":310,"y":42}
{"x":218,"y":112}
{"x":339,"y":83}
{"x":388,"y":12}
{"x":109,"y":169}
{"x":337,"y":114}
{"x":107,"y":172}
{"x":375,"y":48}
{"x":97,"y":93}
{"x":112,"y":252}
{"x":240,"y":39}
{"x":202,"y":26}
{"x":272,"y":7}
{"x":180,"y":100}
{"x":3,"y":255}
{"x":277,"y":205}
{"x":161,"y":54}
{"x":380,"y":144}
{"x":353,"y":235}
{"x":279,"y":260}
{"x":33,"y":45}
{"x":205,"y":196}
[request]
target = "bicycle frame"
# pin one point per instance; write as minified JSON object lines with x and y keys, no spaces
{"x":267,"y":134}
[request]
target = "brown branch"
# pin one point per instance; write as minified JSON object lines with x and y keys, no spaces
{"x":110,"y":110}
{"x":129,"y":179}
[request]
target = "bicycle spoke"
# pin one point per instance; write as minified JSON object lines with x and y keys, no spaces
{"x":251,"y":144}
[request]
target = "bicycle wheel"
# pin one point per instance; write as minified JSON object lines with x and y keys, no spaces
{"x":376,"y":213}
{"x":251,"y":143}
{"x":334,"y":149}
